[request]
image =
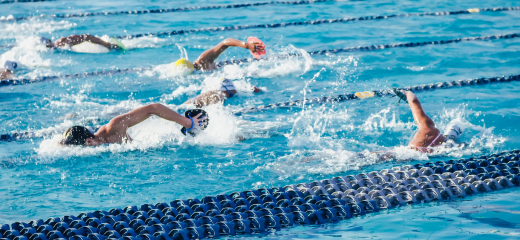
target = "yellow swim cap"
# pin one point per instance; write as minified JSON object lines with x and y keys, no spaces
{"x":183,"y":63}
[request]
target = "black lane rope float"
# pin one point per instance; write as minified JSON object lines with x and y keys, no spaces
{"x":379,"y":47}
{"x":264,"y":210}
{"x":380,"y":93}
{"x":321,"y":100}
{"x":314,"y":22}
{"x":9,"y":82}
{"x":170,"y":10}
{"x":310,"y":22}
{"x":23,"y":1}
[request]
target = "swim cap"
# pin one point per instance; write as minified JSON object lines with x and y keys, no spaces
{"x":202,"y":125}
{"x":118,"y":43}
{"x":453,"y":132}
{"x":76,"y":136}
{"x":184,"y":64}
{"x":45,"y":41}
{"x":227,"y":85}
{"x":10,"y":65}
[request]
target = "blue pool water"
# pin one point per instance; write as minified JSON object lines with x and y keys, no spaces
{"x":267,"y":149}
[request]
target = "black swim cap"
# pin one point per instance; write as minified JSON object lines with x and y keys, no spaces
{"x":76,"y":136}
{"x":47,"y":42}
{"x":194,"y":112}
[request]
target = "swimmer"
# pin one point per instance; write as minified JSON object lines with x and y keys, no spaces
{"x":425,"y":140}
{"x":76,"y":40}
{"x":227,"y":90}
{"x":8,"y":70}
{"x":206,"y":61}
{"x":116,"y":130}
{"x":427,"y":136}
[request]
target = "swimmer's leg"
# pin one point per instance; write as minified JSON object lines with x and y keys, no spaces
{"x":194,"y":101}
{"x":78,"y":39}
{"x":207,"y":98}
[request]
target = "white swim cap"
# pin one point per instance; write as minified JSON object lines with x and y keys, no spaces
{"x":227,"y":85}
{"x":453,"y":132}
{"x":10,"y":65}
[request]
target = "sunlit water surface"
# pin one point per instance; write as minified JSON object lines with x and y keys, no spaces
{"x":39,"y":179}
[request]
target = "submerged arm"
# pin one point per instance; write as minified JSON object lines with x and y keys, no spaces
{"x":5,"y":74}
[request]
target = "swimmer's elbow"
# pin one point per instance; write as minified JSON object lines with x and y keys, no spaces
{"x":155,"y":108}
{"x":155,"y":105}
{"x":227,"y":40}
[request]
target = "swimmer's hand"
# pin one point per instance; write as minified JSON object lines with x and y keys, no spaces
{"x":256,"y":90}
{"x":401,"y":94}
{"x":197,"y":122}
{"x":255,"y":46}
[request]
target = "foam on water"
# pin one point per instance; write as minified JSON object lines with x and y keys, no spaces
{"x":23,"y":29}
{"x":273,"y":68}
{"x":270,"y":148}
{"x":320,"y":147}
{"x":153,"y":133}
{"x":145,"y":42}
{"x":27,"y":53}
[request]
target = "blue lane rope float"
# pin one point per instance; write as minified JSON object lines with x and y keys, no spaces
{"x":324,"y":100}
{"x":23,"y":1}
{"x":264,"y":210}
{"x":170,"y":10}
{"x":380,"y":93}
{"x":376,"y":47}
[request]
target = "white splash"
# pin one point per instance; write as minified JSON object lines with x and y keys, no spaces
{"x":30,"y":64}
{"x":153,"y":133}
{"x":23,"y":29}
{"x":315,"y":130}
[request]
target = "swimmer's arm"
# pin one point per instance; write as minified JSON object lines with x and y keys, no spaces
{"x":212,"y":54}
{"x":418,"y":113}
{"x":136,"y":116}
{"x":5,"y":74}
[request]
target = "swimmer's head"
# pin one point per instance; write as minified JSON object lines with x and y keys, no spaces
{"x":10,"y":66}
{"x":453,"y":132}
{"x":184,"y":65}
{"x":76,"y":135}
{"x":202,"y":124}
{"x":47,"y":42}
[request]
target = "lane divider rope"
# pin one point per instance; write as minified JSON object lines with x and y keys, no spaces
{"x":315,"y":22}
{"x":309,"y":22}
{"x":376,"y":47}
{"x":23,"y":1}
{"x":380,"y":93}
{"x":321,"y":100}
{"x":169,"y":10}
{"x":260,"y":211}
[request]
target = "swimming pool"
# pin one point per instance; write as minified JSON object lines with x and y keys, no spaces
{"x":260,"y":149}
